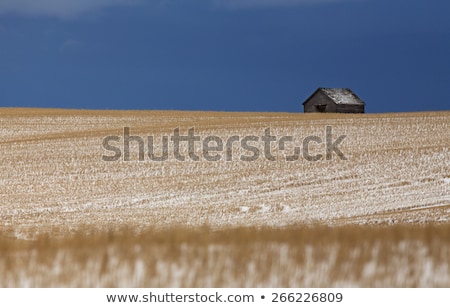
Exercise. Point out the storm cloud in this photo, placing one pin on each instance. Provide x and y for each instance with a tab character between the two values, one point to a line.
58	8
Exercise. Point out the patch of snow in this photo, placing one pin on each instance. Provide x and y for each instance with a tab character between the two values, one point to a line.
342	96
287	209
245	209
264	208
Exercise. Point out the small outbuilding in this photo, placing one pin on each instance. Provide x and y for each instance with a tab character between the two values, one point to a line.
340	100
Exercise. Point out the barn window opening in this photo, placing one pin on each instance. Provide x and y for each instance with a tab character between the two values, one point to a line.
321	108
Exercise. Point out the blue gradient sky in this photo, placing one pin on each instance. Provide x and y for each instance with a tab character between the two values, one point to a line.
234	55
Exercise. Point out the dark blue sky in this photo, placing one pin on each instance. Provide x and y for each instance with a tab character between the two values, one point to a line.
246	55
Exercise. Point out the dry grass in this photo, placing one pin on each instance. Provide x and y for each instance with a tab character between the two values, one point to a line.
53	184
391	256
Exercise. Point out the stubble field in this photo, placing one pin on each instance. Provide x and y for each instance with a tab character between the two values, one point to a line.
70	218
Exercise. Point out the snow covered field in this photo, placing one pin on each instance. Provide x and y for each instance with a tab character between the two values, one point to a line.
53	180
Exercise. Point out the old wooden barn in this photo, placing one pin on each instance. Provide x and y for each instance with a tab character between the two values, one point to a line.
341	100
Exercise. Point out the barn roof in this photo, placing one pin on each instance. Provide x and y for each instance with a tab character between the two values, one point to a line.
340	96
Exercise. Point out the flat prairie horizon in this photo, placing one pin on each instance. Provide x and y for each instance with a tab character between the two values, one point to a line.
56	183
